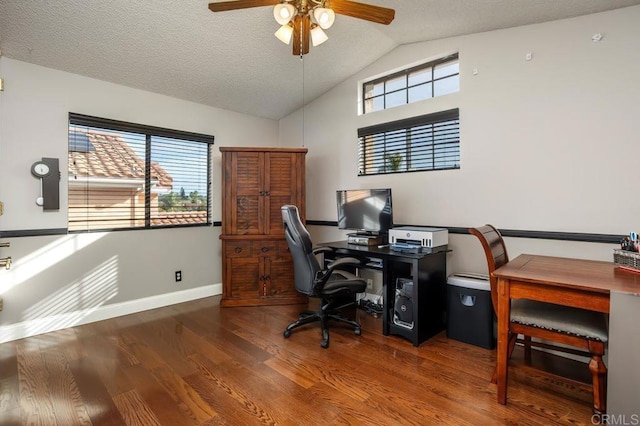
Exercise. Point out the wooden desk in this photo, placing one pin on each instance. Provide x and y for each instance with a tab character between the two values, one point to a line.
585	284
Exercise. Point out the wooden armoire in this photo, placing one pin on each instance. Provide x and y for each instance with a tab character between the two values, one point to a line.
257	268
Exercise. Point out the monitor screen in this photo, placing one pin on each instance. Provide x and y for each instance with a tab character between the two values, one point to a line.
368	210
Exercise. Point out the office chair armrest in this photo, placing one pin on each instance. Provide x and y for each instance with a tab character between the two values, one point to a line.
341	262
317	250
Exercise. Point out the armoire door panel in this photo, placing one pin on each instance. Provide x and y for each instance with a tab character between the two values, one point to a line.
248	193
281	173
281	281
243	277
248	216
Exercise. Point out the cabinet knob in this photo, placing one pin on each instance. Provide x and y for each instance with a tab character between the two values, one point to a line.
238	249
264	249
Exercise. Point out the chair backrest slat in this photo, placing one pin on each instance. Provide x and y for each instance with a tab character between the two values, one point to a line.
496	253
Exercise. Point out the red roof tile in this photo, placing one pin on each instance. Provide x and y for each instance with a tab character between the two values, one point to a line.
111	157
179	218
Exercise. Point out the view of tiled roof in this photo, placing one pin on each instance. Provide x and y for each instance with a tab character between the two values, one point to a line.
179	218
106	155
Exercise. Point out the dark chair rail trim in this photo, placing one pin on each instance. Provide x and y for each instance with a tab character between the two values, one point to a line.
64	231
514	233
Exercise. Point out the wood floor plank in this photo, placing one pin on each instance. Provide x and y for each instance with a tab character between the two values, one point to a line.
97	400
135	410
197	363
36	405
239	395
68	406
156	397
184	395
9	385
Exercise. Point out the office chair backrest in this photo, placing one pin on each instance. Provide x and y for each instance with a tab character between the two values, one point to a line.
305	263
496	253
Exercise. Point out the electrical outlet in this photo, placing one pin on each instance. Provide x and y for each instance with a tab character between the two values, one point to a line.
369	284
178	276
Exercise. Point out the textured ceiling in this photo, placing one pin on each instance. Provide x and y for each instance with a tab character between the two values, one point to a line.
231	59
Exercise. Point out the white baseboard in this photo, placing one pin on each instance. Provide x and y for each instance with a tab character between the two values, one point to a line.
58	322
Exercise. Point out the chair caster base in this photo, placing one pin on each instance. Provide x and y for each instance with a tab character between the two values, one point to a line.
358	331
324	344
287	333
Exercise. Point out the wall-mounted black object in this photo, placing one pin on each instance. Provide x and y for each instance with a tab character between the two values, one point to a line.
48	171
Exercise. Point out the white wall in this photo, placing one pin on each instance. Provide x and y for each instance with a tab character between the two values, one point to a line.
549	144
58	281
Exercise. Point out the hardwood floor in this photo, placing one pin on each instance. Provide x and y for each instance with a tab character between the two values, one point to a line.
197	363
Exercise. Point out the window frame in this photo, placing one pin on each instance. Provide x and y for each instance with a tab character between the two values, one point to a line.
406	73
149	132
405	125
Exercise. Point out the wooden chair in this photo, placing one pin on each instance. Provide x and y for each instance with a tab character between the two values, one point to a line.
579	328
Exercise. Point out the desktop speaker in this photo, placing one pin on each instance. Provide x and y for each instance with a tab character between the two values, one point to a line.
403	304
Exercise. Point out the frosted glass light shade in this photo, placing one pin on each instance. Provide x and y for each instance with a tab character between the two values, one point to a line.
318	36
324	17
285	33
283	13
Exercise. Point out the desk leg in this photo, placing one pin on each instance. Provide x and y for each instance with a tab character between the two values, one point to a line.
502	356
386	298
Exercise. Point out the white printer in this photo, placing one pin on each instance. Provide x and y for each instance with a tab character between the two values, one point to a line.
416	238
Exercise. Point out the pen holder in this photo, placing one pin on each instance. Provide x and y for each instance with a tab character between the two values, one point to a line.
627	259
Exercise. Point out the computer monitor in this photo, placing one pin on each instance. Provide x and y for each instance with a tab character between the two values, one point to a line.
368	211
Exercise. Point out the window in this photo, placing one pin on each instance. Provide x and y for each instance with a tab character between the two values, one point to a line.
427	142
435	78
129	176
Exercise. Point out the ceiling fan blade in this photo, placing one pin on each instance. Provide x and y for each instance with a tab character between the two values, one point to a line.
301	32
223	6
368	12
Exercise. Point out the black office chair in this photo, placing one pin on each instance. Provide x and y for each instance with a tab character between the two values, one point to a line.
332	285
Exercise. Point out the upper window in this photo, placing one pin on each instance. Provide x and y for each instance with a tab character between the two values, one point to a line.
435	78
427	142
129	176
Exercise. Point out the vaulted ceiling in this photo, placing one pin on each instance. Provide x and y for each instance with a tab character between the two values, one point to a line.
231	60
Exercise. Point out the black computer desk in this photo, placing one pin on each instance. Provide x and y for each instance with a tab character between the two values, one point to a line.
427	272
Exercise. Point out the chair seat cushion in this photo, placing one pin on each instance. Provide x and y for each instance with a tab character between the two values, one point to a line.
564	319
342	281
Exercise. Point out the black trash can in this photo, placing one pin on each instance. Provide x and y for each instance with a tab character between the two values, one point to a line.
470	315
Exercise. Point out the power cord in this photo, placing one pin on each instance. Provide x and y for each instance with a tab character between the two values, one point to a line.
369	307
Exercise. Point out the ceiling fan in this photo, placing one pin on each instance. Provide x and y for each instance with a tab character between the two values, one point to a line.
304	20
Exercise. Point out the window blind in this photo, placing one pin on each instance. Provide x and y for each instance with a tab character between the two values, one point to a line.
129	176
426	142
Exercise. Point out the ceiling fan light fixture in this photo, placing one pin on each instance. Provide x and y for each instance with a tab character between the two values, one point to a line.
284	33
324	17
318	36
283	13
